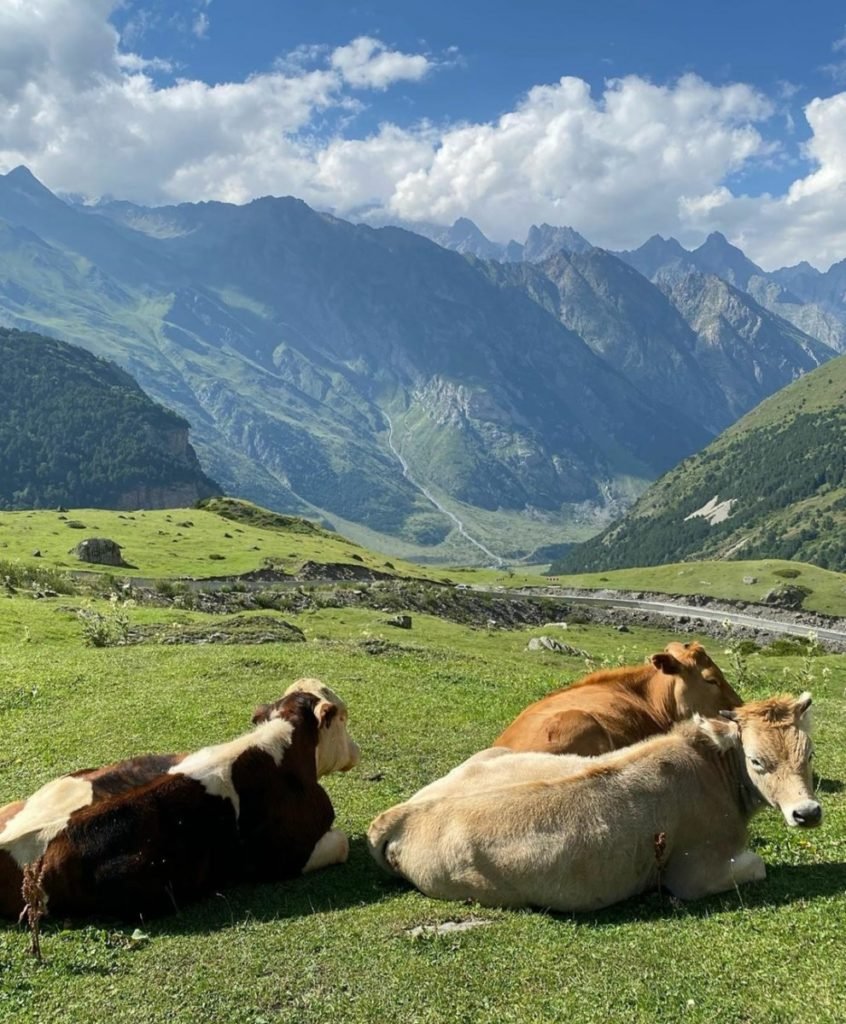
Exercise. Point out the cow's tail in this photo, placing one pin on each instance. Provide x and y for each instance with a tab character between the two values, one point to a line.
383	839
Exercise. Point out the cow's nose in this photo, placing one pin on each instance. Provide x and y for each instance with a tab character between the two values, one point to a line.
808	815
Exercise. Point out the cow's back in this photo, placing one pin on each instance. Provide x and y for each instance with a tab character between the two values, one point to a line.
603	712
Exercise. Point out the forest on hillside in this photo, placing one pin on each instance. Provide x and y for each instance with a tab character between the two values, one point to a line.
78	430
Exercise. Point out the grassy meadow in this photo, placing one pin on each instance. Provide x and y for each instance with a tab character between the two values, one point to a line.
339	944
162	543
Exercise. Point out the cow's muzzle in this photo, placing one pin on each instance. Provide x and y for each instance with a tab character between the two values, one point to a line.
807	815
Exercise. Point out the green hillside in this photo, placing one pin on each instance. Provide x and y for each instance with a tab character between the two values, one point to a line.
224	538
75	429
782	471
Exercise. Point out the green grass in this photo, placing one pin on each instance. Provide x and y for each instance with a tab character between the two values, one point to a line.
160	543
335	945
724	580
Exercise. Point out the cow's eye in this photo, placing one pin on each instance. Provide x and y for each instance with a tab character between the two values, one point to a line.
757	764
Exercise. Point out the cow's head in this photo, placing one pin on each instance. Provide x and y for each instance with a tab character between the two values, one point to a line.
336	750
700	686
777	750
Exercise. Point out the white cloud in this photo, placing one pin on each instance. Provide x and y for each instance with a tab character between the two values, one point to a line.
85	113
366	63
200	25
809	220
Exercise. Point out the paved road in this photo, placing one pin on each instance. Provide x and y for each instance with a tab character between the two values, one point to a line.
673	610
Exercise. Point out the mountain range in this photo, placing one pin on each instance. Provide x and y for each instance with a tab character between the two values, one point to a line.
410	395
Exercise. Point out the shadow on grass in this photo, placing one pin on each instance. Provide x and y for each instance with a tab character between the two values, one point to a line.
828	785
784	884
357	883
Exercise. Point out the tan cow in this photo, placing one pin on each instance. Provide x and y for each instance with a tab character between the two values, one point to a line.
611	709
570	833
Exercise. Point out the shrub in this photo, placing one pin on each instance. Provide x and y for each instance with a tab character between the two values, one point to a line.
17	575
106	629
787	574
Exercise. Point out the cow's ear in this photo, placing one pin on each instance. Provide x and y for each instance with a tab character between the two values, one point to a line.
803	711
261	714
666	663
325	713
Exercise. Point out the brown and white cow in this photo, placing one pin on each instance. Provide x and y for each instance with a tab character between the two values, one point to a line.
143	836
614	708
571	833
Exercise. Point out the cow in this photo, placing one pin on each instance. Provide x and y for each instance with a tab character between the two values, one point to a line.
581	833
613	708
119	842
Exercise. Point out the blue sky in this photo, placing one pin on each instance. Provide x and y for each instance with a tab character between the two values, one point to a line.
622	119
504	48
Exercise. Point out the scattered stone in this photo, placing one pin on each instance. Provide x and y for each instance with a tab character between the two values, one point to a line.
61	508
445	927
36	553
228	536
356	558
555	625
791	596
549	643
185	522
240	629
750	580
217	558
75	524
339	571
375	777
623	628
100	551
400	621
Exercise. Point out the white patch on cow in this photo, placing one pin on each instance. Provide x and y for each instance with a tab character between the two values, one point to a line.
212	766
42	818
715	511
331	848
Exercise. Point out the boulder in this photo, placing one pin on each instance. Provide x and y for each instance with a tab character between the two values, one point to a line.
100	551
549	643
790	596
400	621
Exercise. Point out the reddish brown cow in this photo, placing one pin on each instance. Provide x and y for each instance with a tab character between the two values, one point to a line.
250	809
73	792
611	709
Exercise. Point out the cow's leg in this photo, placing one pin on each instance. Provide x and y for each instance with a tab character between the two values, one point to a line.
331	848
691	877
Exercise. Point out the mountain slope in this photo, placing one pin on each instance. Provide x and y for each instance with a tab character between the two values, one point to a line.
805	297
77	430
688	334
299	345
772	486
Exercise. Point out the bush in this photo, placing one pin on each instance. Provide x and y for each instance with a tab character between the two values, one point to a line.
17	575
787	574
109	629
